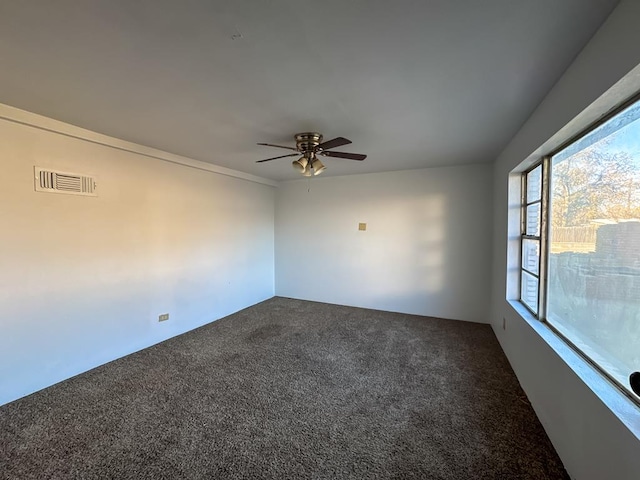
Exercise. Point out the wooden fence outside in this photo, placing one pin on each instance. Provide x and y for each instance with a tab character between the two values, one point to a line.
574	239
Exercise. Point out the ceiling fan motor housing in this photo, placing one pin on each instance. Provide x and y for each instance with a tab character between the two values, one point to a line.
308	141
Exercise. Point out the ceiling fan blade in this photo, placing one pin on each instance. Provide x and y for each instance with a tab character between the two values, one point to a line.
278	146
349	156
281	156
336	142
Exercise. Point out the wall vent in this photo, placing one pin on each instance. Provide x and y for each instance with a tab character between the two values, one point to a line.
64	182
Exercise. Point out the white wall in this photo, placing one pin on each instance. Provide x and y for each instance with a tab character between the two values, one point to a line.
426	249
592	442
83	280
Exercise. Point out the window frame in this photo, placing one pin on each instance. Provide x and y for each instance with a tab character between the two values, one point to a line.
543	258
544	163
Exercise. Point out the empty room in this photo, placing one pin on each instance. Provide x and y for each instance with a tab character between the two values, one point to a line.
323	240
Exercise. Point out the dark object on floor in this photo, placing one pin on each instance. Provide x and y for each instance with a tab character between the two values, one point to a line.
289	389
634	381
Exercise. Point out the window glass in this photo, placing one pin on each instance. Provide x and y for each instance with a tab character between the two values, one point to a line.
532	220
534	184
529	291
593	292
531	255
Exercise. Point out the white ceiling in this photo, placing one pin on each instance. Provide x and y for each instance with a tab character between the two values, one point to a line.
412	83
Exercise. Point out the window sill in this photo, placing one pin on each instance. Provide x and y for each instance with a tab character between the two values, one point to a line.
617	402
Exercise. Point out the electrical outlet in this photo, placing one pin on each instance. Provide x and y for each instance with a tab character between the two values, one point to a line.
163	318
504	323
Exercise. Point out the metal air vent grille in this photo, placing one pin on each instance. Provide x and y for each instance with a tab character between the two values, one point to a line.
64	182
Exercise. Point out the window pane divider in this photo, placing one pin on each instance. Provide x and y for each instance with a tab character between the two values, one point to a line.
543	262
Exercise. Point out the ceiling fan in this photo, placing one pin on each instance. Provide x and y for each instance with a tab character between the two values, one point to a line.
310	145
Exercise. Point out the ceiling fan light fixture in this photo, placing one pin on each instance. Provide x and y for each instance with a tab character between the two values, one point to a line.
300	165
318	166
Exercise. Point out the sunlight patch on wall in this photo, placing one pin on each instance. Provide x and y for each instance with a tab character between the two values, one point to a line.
405	233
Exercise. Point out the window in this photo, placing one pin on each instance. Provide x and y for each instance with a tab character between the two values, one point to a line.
580	247
531	238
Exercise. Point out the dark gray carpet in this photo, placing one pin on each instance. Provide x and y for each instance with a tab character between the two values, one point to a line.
289	389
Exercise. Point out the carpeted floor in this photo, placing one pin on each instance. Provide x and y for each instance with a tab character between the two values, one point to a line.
289	389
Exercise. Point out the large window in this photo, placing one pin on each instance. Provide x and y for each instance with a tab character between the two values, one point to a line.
580	267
